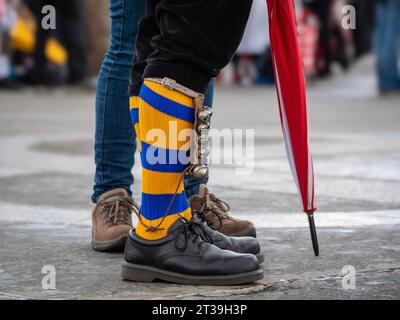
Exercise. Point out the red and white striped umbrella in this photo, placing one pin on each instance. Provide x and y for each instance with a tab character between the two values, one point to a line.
290	86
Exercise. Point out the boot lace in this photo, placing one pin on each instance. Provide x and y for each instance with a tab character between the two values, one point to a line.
117	211
213	206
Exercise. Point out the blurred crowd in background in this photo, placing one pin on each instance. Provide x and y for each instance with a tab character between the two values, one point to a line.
72	53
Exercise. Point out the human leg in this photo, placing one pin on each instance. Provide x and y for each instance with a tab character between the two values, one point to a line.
168	244
115	139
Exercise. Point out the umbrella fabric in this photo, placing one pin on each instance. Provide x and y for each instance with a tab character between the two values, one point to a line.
290	85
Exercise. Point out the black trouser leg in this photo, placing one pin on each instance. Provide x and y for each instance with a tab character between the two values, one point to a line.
148	29
39	73
195	40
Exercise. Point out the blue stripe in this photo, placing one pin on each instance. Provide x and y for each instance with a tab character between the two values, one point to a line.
154	206
135	115
166	106
163	160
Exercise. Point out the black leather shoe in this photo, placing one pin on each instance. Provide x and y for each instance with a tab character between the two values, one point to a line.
185	257
235	244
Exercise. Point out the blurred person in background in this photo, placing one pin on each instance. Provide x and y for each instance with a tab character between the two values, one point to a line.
387	46
70	31
322	9
332	42
7	21
265	68
365	17
253	46
97	36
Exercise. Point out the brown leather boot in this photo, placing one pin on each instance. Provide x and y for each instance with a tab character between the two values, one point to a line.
112	220
215	212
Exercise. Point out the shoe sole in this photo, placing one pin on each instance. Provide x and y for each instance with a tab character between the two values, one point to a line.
140	273
115	245
251	232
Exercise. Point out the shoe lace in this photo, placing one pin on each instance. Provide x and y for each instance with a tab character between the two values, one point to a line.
204	215
193	231
117	211
213	206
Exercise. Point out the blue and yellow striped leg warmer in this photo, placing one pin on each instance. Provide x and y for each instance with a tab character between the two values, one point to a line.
157	114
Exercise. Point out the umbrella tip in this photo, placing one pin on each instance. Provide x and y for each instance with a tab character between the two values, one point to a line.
313	232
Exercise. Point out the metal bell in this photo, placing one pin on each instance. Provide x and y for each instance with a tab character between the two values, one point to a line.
201	127
202	140
199	172
205	114
203	152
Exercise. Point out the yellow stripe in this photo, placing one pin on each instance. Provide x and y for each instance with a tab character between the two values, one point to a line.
170	94
162	130
161	182
168	221
134	102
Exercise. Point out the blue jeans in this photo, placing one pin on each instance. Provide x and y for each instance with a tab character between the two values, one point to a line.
115	139
387	45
